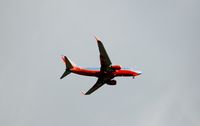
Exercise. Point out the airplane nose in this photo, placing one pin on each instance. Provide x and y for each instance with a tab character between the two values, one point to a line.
139	72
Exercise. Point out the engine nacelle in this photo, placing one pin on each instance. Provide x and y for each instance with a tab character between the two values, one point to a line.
111	82
116	67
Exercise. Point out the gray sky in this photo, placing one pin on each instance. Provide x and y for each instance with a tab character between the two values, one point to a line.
159	37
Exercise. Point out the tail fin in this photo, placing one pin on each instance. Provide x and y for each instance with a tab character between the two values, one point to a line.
69	65
67	62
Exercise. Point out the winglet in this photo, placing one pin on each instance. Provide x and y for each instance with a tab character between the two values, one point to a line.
97	39
82	93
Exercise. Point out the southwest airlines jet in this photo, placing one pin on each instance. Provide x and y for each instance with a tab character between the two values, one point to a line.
105	74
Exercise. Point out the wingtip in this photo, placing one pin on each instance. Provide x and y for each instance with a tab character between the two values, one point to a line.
82	93
96	39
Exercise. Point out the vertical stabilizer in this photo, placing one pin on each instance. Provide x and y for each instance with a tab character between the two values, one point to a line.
69	65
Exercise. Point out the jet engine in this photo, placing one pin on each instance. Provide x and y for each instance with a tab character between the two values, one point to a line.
111	82
116	67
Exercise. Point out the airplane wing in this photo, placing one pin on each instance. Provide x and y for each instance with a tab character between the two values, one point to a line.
104	59
98	84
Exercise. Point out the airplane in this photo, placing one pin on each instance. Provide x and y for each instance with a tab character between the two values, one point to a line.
105	73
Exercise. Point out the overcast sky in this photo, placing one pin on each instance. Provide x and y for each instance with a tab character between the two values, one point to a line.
159	37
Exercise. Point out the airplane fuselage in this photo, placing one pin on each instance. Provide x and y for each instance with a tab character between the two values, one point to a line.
98	73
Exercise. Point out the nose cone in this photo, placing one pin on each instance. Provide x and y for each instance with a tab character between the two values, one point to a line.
138	72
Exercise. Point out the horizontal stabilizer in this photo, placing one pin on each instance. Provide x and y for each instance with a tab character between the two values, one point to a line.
69	65
65	74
